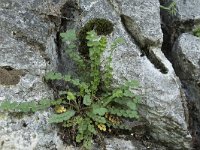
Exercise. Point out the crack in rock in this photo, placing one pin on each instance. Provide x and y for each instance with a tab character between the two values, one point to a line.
144	44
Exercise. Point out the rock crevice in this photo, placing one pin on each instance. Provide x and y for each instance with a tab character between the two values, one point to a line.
182	49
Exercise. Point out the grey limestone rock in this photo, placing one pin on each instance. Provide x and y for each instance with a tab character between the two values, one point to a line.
27	52
186	56
119	144
187	10
142	19
182	48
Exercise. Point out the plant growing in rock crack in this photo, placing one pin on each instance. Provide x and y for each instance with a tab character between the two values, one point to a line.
91	106
171	8
196	31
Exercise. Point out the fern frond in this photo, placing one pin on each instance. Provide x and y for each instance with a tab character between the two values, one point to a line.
84	87
99	110
96	46
126	102
57	118
96	118
31	106
70	35
127	113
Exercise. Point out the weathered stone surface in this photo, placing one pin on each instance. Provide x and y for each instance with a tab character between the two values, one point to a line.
119	144
162	103
142	19
29	132
186	52
115	143
186	10
27	52
184	55
186	58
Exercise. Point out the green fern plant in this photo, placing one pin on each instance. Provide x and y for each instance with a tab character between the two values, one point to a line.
95	106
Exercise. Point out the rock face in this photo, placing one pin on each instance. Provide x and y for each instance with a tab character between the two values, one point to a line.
145	27
29	48
186	10
114	144
186	52
27	52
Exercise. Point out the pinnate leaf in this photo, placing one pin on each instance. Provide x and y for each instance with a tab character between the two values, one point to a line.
57	118
70	35
87	100
70	96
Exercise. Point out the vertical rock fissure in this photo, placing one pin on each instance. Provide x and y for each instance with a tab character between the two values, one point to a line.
171	32
67	20
144	44
145	48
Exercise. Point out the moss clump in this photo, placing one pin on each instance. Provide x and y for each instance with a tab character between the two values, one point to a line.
196	31
101	27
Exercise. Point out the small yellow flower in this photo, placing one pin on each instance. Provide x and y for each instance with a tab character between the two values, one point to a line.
60	109
101	127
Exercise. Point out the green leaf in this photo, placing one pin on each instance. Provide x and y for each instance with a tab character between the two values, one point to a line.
56	102
87	100
99	110
70	96
70	35
71	46
76	82
5	105
23	107
92	129
33	106
67	78
131	105
137	99
87	143
117	93
79	137
96	118
128	93
57	118
196	31
132	114
53	76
